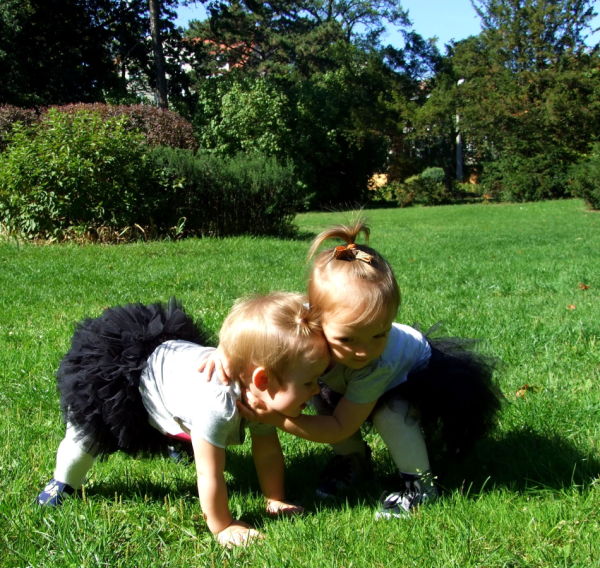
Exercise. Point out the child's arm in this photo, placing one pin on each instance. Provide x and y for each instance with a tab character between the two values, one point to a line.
346	419
210	465
268	460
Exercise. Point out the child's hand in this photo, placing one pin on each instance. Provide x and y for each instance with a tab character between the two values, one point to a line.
275	508
237	534
215	363
253	409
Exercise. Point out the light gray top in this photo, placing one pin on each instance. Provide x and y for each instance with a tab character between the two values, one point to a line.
406	350
179	399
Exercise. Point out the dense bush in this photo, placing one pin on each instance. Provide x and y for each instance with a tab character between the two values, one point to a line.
427	188
9	115
77	172
74	170
519	178
215	195
311	124
585	178
161	127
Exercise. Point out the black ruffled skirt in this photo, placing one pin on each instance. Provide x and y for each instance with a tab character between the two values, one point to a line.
454	394
98	379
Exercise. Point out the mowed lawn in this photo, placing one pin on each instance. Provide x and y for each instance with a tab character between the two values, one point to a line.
522	278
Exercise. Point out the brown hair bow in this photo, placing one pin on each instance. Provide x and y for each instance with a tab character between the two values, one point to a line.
351	252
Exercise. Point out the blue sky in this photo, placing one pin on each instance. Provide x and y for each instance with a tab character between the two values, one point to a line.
444	19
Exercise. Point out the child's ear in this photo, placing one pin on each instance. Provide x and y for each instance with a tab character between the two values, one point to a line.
260	379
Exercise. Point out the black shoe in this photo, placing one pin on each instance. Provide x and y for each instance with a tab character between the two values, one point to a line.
342	472
418	490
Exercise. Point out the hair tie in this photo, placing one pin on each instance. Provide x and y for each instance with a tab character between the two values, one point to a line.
351	252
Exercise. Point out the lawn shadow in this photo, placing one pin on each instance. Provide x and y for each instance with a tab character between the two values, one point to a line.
134	489
520	460
297	235
301	478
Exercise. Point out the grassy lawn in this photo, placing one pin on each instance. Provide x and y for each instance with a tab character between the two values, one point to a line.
524	278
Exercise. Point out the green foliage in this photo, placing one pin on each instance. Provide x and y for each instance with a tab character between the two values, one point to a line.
301	37
9	115
526	93
244	114
73	170
54	52
338	138
78	170
427	188
585	177
318	125
161	127
519	178
215	195
69	51
532	35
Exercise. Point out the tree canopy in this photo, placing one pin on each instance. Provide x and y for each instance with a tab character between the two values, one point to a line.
310	83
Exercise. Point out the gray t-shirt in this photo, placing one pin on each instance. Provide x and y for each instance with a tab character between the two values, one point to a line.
406	350
179	399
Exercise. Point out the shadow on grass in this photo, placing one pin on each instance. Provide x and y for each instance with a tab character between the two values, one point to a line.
520	460
141	488
297	235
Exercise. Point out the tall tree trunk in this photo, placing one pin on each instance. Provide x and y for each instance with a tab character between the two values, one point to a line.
159	57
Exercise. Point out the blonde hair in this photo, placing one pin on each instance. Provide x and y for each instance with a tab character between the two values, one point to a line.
269	331
363	277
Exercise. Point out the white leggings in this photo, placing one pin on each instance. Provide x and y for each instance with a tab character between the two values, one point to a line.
401	433
73	459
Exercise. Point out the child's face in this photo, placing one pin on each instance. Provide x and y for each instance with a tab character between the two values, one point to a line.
356	345
299	382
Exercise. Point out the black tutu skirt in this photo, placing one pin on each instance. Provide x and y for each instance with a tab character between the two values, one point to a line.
98	379
454	395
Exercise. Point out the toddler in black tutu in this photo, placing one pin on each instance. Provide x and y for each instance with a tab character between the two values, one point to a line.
385	372
130	381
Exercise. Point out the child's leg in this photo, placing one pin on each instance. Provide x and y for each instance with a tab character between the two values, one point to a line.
350	464
402	435
73	461
352	445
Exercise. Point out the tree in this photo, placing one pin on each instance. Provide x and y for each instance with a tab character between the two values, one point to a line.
300	36
341	97
61	51
159	56
533	35
54	51
529	104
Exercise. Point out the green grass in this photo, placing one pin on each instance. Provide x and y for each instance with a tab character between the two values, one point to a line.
508	274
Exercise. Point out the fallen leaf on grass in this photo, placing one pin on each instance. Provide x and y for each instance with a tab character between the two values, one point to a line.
583	286
525	389
571	307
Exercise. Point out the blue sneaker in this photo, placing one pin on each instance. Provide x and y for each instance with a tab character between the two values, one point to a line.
54	493
181	452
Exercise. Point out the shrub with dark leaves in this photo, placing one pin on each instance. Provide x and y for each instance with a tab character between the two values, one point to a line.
161	127
10	115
